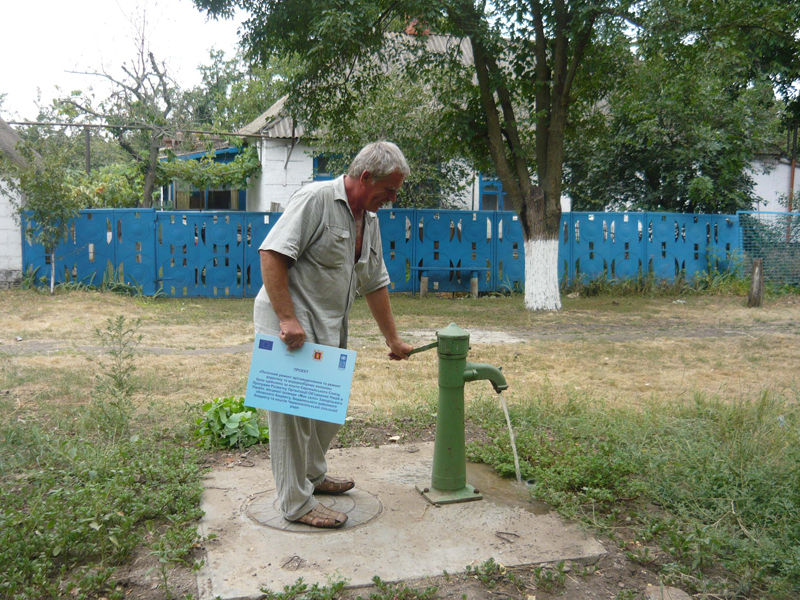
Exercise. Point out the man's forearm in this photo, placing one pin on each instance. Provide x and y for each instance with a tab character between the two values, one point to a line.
381	309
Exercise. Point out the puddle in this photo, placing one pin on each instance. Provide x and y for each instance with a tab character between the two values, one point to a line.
505	492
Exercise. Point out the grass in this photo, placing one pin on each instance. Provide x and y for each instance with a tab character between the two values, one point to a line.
75	501
645	419
714	485
84	486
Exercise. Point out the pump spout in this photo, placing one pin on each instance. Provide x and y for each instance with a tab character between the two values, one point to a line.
475	371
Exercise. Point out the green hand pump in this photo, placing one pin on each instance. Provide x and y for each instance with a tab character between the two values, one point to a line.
449	474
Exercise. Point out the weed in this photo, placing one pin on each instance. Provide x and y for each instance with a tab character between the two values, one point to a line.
228	423
489	572
172	547
640	555
550	578
299	590
400	591
120	339
30	277
113	281
111	404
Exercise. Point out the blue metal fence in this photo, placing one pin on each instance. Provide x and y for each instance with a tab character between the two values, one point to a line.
214	254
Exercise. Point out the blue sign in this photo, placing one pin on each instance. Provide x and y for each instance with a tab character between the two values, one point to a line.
312	382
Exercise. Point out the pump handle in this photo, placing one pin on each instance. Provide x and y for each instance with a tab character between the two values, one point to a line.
423	348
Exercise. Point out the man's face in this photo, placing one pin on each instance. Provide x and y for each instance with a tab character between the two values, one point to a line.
380	191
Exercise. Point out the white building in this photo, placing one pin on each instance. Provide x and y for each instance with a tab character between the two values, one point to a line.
773	179
10	235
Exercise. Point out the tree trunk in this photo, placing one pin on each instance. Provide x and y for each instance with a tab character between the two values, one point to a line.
150	173
52	272
541	252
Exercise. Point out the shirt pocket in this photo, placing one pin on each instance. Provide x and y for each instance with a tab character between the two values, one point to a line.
332	247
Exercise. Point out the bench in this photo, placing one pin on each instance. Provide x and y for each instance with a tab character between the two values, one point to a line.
473	277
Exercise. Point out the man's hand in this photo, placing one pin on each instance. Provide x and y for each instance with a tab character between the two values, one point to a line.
398	349
292	334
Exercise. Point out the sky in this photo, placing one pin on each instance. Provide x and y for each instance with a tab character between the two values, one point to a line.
42	40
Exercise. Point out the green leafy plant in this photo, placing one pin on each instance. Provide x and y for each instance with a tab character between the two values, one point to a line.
228	423
387	591
550	578
489	572
119	339
206	172
300	590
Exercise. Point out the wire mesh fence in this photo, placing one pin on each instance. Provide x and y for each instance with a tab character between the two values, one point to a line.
775	238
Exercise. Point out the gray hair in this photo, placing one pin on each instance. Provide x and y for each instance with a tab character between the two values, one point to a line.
381	159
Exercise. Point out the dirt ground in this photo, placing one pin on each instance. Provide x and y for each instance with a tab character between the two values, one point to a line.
621	350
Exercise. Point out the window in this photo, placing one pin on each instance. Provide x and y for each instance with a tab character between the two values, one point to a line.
491	194
322	170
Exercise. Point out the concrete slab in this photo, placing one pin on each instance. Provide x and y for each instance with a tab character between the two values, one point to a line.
392	531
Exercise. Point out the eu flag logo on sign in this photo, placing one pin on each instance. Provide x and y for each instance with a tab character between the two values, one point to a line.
265	344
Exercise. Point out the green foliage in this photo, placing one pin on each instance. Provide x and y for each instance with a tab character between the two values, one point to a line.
489	572
207	173
45	198
550	578
76	503
233	91
228	423
143	106
662	142
300	590
400	110
711	280
715	484
761	36
120	338
387	591
118	185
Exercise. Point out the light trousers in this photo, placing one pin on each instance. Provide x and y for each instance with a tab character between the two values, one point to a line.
297	448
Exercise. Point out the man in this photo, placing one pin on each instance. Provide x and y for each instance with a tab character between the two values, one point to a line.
325	247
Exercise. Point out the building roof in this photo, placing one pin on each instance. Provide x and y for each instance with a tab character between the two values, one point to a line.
274	123
9	139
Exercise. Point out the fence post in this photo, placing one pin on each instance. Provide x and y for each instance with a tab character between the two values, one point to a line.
755	297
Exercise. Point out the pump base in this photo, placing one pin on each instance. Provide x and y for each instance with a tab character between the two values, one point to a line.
435	496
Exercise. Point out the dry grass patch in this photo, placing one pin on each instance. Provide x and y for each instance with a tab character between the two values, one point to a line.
624	350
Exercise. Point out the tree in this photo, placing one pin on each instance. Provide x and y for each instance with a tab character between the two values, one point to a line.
234	91
41	183
536	65
405	111
144	105
526	59
679	136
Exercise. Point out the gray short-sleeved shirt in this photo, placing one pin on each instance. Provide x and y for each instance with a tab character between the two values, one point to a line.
318	233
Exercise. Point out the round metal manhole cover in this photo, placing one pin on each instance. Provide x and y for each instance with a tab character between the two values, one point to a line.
360	507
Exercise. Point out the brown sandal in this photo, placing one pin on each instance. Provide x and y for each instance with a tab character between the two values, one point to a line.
334	485
323	517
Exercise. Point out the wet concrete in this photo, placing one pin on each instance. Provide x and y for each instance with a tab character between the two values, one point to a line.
392	531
